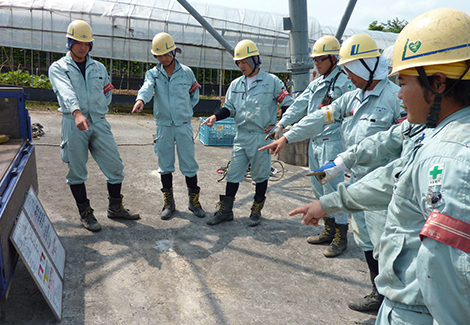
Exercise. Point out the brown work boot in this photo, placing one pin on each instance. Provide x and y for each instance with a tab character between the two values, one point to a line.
255	216
116	210
371	302
339	243
87	218
327	235
224	213
168	204
194	204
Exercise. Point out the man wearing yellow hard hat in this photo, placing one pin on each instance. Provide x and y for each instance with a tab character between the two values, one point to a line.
372	107
84	92
252	100
176	93
323	148
425	248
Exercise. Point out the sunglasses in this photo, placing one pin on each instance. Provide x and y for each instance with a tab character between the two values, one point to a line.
319	60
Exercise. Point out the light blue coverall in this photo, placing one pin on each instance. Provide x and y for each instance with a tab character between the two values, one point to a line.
326	146
428	188
253	109
90	95
360	119
173	105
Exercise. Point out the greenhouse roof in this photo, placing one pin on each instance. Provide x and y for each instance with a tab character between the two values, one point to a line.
123	29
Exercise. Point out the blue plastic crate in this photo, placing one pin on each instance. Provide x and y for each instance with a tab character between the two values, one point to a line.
221	134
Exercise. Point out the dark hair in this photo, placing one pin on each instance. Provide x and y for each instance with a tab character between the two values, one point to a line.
459	90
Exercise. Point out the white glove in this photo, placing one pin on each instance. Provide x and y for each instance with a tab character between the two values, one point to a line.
276	132
326	173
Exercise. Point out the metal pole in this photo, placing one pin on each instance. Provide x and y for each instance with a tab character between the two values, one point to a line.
344	21
206	25
300	62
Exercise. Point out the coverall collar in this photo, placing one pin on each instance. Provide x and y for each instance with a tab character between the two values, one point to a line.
259	77
69	60
161	69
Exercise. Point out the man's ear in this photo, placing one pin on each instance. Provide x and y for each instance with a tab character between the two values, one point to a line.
439	82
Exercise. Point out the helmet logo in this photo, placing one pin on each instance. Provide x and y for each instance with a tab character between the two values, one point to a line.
166	44
415	46
248	50
73	32
355	50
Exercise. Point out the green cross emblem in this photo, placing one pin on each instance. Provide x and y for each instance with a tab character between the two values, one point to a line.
436	171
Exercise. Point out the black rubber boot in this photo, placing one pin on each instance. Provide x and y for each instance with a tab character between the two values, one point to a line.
225	212
327	235
339	243
116	210
371	302
255	216
87	218
168	204
194	204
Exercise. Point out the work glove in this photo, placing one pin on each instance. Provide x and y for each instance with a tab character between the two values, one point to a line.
326	173
275	133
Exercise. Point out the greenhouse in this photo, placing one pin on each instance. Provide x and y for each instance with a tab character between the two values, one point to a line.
123	30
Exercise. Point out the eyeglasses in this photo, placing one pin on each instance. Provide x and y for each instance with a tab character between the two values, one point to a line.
319	60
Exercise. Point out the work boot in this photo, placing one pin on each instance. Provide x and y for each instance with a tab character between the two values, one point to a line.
339	243
168	204
255	216
194	204
371	302
327	235
116	210
87	218
225	212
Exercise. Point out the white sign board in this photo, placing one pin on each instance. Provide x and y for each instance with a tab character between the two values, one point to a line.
45	231
38	262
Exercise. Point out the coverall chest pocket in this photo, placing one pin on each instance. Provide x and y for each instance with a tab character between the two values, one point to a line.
374	123
96	83
76	79
238	96
181	89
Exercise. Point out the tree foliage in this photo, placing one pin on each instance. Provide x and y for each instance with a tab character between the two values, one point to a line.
392	26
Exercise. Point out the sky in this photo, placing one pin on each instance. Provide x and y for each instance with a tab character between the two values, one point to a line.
330	12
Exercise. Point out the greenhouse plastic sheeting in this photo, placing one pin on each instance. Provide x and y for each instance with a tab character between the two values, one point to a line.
123	29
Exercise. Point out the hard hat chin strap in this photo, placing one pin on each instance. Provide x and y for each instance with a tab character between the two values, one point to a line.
371	72
435	108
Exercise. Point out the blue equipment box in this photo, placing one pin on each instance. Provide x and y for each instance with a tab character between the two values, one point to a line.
17	174
221	134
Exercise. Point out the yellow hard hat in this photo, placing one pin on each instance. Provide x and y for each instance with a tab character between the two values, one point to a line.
437	37
79	30
245	49
326	45
360	46
162	43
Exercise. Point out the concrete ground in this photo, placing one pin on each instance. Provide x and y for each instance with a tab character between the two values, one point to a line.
182	271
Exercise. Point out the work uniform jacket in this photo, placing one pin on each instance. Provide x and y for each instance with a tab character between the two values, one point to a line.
253	110
425	254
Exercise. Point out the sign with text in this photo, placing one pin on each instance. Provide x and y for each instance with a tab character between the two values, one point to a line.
45	231
41	267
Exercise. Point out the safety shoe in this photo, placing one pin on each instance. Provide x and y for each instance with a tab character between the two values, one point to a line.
87	218
371	302
194	204
255	216
168	204
116	210
327	235
339	243
224	213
